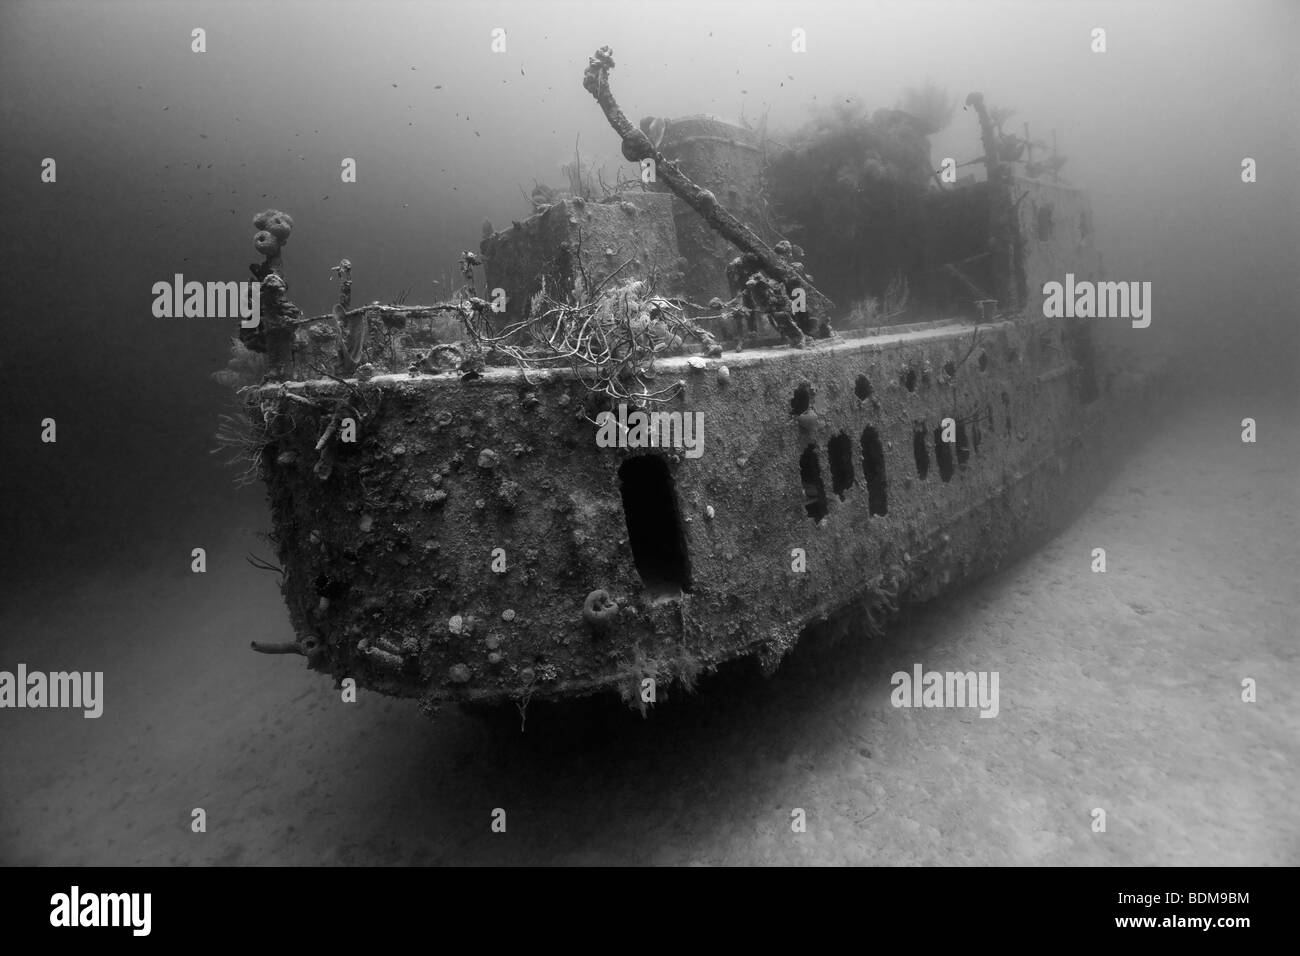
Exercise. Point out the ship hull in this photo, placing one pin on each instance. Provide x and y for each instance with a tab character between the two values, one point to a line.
455	550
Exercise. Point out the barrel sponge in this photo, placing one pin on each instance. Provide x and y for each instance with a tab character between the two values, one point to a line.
266	244
264	217
280	225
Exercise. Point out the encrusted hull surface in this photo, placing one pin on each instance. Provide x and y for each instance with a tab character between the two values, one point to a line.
448	552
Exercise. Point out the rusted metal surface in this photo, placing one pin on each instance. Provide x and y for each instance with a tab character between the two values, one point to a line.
728	160
390	560
633	237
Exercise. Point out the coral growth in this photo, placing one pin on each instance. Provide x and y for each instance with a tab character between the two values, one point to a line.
273	229
931	104
618	333
849	189
599	610
243	369
280	225
266	244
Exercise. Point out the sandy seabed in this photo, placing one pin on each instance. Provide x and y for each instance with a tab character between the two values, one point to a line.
1119	690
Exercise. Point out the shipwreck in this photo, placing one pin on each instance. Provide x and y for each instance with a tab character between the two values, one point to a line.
882	409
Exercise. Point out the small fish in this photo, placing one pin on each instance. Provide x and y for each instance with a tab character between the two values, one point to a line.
203	135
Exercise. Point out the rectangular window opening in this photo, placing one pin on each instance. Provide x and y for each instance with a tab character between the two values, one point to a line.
654	526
